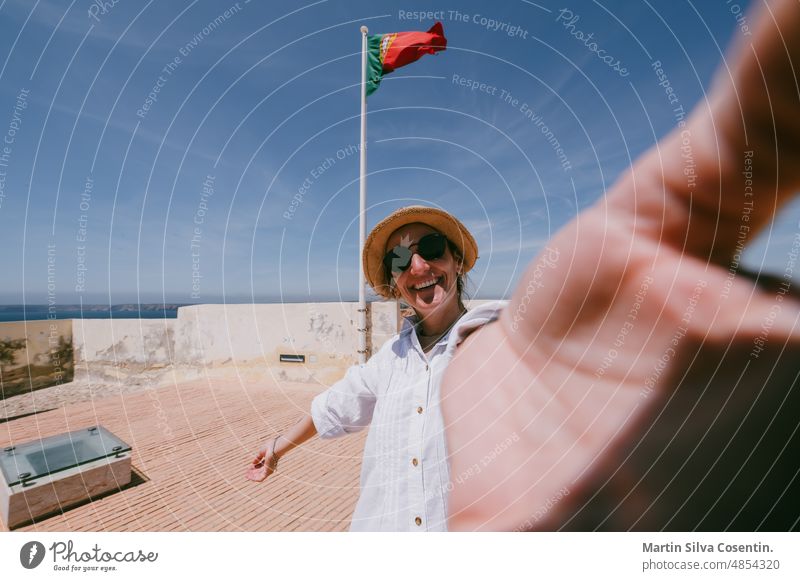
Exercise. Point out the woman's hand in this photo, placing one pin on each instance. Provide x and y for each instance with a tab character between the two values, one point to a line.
265	463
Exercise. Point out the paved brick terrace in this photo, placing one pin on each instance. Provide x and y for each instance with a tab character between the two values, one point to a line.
191	445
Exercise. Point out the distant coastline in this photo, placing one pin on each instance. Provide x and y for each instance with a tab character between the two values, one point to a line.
9	313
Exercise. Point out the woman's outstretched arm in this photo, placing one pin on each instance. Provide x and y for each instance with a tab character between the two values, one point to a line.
344	408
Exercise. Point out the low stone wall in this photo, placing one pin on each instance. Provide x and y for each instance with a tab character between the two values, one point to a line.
308	342
297	341
137	342
384	323
35	354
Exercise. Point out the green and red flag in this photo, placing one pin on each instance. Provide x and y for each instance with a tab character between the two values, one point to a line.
388	52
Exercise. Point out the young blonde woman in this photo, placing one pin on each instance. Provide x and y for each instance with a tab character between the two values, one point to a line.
421	255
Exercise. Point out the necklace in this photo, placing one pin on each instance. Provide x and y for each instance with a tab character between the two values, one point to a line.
428	341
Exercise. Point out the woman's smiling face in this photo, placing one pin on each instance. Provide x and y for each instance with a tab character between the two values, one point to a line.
426	284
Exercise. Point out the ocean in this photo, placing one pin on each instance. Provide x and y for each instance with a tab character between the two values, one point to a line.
10	313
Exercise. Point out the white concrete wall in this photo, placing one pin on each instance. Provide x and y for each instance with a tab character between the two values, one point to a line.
143	342
42	361
41	338
324	333
254	336
385	318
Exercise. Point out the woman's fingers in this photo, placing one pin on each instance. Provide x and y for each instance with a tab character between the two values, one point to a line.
262	466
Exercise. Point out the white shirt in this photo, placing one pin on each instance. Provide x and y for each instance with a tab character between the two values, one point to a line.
404	473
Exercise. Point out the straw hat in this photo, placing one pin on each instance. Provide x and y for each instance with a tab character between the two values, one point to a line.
443	222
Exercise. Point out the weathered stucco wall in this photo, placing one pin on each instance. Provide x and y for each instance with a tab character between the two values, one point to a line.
143	342
35	354
322	334
385	323
204	338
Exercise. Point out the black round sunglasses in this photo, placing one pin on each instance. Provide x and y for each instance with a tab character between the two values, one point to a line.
429	247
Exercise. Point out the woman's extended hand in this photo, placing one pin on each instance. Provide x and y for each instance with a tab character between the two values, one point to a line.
265	463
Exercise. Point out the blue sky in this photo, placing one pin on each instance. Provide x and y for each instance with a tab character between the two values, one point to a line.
131	198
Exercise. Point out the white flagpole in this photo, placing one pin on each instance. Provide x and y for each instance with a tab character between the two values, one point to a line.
362	218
